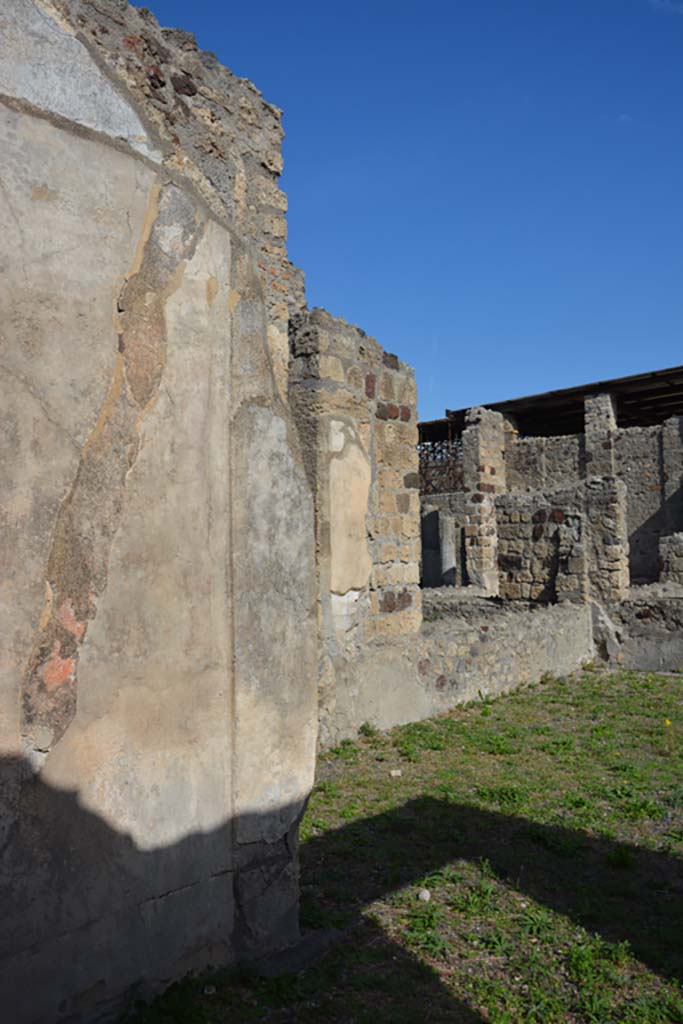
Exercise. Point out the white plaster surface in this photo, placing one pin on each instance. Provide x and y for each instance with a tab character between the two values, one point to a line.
150	747
350	560
71	213
44	63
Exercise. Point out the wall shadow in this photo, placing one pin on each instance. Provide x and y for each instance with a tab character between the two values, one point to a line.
644	540
635	894
90	923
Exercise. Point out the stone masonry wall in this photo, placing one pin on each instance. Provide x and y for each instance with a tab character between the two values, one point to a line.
607	538
543	463
467	648
600	430
542	555
645	631
671	558
357	419
483	444
649	460
638	462
157	523
476	648
569	544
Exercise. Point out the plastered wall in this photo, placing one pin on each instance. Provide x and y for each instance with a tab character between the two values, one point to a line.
157	524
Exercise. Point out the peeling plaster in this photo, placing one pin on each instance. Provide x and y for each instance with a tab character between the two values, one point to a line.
89	516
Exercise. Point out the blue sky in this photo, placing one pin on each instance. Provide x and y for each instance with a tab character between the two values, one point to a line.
492	188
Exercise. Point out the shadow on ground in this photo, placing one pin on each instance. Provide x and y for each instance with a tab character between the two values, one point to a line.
619	891
89	922
71	881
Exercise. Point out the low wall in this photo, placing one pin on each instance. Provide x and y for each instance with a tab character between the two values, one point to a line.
466	648
645	632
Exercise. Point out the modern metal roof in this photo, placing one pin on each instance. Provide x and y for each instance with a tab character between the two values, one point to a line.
641	400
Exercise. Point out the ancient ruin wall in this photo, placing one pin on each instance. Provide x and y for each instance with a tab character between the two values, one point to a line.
541	547
644	632
569	544
638	459
647	459
466	649
379	663
213	127
157	526
543	463
357	418
474	648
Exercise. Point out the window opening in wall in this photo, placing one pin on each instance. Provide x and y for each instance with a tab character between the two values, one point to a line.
441	465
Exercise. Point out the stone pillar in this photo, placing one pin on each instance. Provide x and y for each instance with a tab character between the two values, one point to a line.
605	508
448	535
484	476
600	428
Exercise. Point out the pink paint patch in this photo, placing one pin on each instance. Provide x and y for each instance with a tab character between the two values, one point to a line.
58	670
67	619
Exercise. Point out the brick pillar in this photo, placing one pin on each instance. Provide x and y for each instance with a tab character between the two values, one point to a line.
600	428
484	476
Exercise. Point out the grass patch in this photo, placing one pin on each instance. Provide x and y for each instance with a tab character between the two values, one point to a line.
547	829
